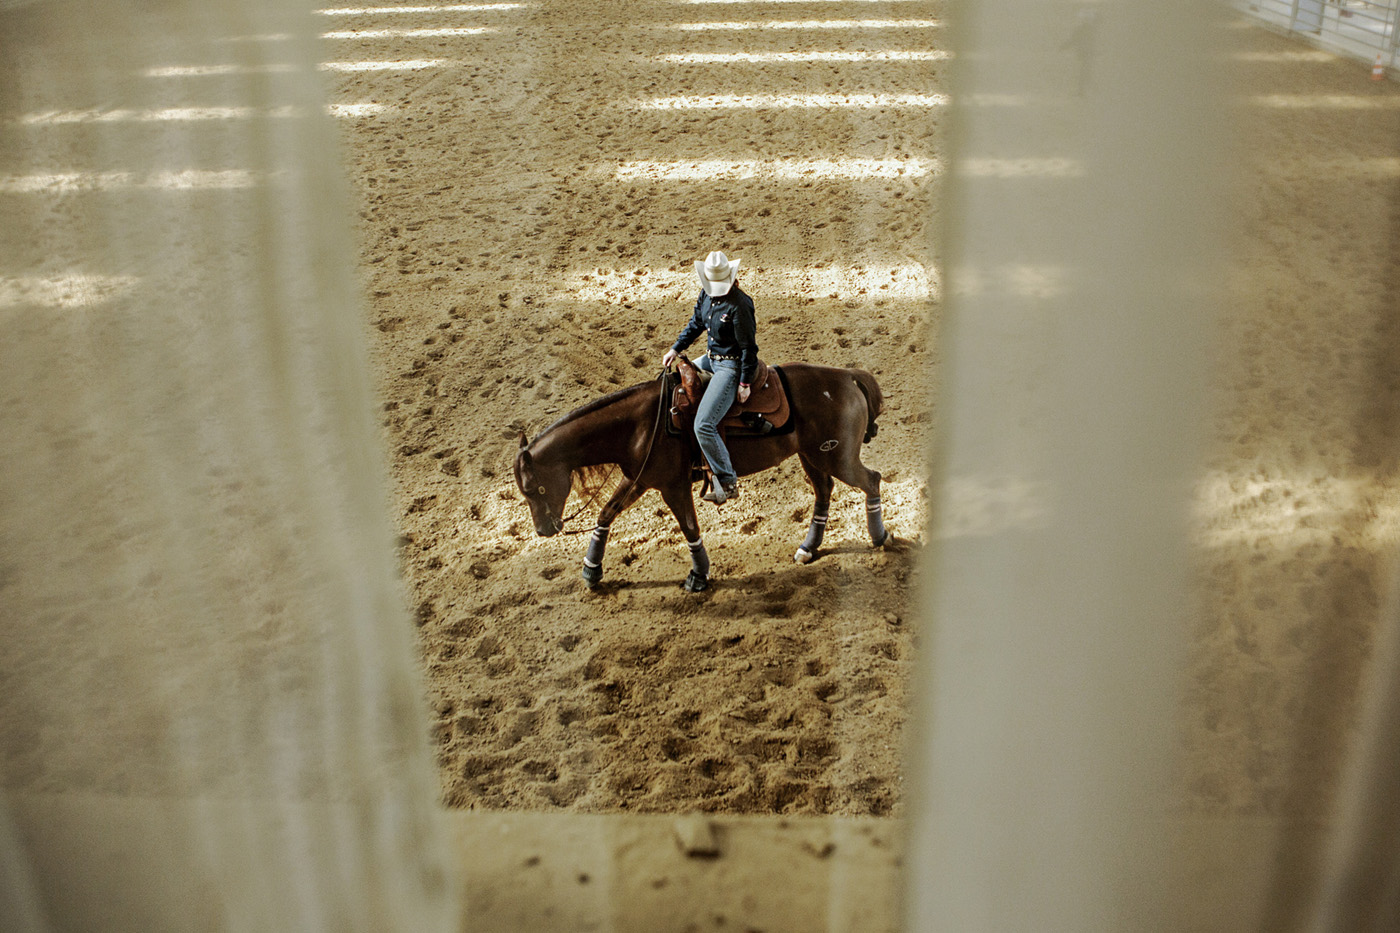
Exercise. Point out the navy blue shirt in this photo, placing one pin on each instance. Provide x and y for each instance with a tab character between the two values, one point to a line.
729	321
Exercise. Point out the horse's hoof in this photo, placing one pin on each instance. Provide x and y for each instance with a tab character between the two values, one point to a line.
804	556
887	539
592	575
694	583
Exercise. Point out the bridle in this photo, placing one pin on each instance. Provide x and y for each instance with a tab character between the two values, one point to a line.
558	522
554	520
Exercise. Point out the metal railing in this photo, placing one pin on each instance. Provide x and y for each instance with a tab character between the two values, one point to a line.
1364	29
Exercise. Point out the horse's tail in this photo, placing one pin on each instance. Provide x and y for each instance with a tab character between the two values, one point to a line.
874	401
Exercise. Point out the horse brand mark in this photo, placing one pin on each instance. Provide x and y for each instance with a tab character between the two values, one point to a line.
829	445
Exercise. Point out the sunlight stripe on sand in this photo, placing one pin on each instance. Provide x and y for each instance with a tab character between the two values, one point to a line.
785	169
206	71
1020	280
1020	168
1313	56
77	182
712	58
355	111
417	64
437	8
1319	170
186	114
212	71
767	2
1325	101
121	115
847	282
812	24
64	291
1292	510
779	101
436	33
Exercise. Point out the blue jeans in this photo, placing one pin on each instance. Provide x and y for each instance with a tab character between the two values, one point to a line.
714	405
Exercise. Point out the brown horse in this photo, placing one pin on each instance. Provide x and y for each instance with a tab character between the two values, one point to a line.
833	413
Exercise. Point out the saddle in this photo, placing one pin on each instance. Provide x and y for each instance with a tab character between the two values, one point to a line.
766	410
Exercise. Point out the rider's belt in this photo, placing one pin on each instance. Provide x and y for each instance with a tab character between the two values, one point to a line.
719	356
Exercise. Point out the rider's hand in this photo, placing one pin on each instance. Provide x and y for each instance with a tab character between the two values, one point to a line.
668	358
743	393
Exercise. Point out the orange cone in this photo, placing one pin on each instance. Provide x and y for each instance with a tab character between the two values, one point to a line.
1377	72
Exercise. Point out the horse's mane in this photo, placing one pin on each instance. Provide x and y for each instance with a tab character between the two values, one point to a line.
588	408
591	478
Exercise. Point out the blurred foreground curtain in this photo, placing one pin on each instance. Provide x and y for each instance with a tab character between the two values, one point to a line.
1126	722
209	706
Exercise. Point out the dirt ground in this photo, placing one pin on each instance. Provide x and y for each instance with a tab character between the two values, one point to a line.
533	184
529	220
515	275
1299	500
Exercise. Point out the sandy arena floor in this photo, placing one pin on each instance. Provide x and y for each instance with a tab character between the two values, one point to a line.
529	231
530	212
533	183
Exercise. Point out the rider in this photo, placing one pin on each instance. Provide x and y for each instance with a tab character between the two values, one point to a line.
726	313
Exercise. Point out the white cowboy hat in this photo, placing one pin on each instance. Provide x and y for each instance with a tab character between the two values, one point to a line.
717	274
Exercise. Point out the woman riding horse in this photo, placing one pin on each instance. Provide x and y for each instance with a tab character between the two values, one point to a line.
833	414
726	314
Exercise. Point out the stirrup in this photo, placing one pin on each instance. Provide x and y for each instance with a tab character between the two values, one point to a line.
718	493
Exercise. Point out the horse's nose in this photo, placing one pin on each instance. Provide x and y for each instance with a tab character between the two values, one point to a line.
546	531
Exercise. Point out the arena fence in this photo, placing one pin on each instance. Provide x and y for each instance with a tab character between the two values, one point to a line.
1360	28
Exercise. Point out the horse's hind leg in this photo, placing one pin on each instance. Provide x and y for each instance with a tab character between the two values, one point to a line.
679	500
852	472
821	486
874	519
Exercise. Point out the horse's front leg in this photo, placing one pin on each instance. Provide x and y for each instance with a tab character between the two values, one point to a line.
680	501
598	543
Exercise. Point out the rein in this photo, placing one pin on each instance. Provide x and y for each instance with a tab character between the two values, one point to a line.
631	484
581	509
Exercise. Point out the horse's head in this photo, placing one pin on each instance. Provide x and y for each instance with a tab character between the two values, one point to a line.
546	489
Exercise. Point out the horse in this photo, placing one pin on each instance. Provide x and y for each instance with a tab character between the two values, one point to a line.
833	412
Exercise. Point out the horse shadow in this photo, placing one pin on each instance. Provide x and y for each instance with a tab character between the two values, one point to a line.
791	577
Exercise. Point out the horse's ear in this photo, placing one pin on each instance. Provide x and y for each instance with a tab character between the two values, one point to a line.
523	441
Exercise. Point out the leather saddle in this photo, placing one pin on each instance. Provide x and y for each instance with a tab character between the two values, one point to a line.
766	410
